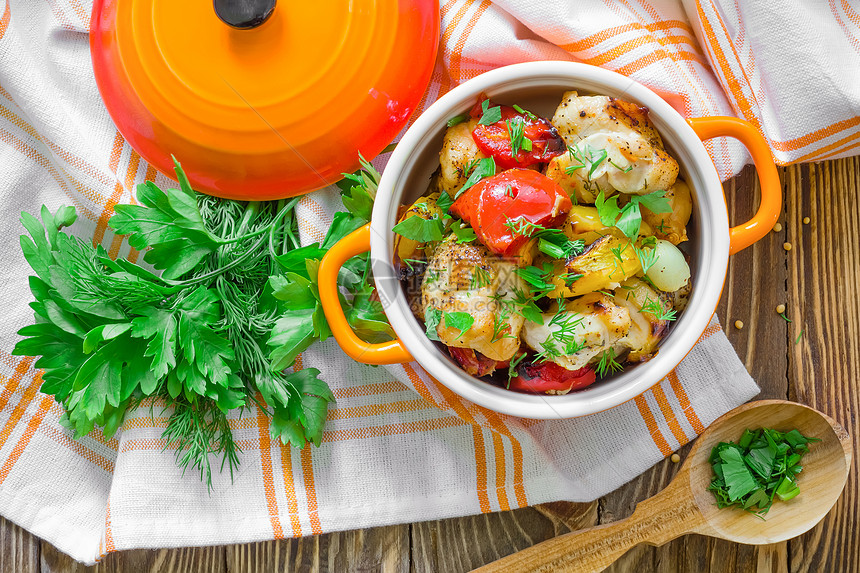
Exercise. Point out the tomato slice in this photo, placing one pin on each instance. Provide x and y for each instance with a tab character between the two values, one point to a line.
497	207
475	363
550	377
495	139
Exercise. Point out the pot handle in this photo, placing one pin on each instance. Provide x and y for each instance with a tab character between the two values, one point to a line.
745	234
391	352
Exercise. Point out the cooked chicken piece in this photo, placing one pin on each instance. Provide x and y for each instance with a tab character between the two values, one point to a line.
583	223
635	160
646	330
672	226
468	278
604	265
458	154
592	324
426	208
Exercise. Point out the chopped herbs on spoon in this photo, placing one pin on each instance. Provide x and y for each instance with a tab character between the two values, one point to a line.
761	467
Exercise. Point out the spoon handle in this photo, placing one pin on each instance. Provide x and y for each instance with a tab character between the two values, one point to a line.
655	521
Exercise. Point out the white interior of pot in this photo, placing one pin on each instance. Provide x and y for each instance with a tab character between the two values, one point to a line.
407	178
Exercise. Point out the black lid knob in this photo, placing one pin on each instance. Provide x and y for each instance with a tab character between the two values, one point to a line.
244	14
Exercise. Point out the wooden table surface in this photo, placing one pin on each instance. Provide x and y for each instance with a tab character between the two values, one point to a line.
811	360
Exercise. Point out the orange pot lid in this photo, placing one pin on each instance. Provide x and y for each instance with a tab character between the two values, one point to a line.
268	112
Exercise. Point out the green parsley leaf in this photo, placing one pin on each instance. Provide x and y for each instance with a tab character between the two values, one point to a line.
444	201
463	232
490	115
432	317
485	167
630	220
462	321
607	209
656	202
420	229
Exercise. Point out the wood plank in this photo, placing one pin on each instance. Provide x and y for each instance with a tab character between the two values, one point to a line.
378	549
19	550
755	285
461	544
824	268
185	560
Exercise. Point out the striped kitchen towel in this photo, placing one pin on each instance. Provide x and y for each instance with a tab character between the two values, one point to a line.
398	447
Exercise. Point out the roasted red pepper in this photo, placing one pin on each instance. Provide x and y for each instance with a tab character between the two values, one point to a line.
500	207
550	377
495	139
475	363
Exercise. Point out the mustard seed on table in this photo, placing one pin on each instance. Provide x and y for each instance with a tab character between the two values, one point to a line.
780	308
739	324
777	228
786	246
675	458
806	220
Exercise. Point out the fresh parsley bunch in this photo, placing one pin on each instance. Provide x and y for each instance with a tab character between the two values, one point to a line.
234	305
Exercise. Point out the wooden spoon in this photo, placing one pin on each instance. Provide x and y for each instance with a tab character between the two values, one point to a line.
686	506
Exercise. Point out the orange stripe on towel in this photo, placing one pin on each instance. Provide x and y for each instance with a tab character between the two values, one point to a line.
268	475
684	401
669	415
651	424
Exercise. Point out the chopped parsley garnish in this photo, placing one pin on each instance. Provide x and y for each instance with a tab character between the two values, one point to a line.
420	229
762	466
444	201
485	167
432	317
782	314
462	321
628	219
463	232
491	115
527	307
